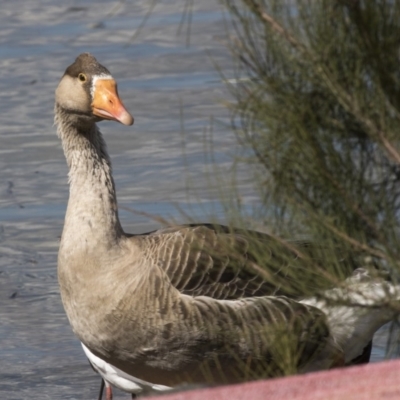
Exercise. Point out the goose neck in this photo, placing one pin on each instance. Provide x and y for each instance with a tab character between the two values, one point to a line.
92	212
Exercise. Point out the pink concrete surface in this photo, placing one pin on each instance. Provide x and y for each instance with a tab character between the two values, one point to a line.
367	382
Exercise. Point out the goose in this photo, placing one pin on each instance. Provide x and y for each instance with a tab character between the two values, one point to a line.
183	304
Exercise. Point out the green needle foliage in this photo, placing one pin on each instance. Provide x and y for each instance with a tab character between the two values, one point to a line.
317	100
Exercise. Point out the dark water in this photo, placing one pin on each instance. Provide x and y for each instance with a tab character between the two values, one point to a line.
157	169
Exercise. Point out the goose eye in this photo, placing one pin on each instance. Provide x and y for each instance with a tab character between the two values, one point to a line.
82	77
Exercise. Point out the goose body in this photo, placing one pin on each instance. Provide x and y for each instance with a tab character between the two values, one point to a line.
354	311
172	306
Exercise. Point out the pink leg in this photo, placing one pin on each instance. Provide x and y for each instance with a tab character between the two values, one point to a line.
109	394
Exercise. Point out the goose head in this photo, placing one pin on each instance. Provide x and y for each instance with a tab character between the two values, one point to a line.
87	92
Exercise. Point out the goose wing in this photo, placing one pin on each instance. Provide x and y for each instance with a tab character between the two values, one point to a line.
215	261
213	264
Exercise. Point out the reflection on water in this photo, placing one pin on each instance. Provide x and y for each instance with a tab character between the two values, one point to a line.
160	79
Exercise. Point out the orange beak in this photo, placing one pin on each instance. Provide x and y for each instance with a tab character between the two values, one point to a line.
107	104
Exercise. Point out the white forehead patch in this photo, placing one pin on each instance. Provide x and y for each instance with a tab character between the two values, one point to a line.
95	78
